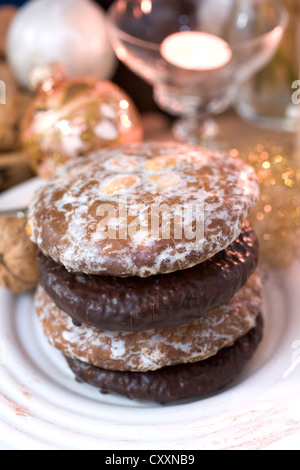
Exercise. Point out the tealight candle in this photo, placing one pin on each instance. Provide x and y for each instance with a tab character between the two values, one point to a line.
192	50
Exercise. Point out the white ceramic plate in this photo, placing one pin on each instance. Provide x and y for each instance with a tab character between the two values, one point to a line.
20	196
42	407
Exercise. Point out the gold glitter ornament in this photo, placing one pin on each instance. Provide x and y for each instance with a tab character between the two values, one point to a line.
70	118
276	219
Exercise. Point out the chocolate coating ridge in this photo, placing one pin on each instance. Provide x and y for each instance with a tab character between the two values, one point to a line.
182	382
137	304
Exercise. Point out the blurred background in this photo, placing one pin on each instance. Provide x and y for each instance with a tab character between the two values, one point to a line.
269	95
14	167
134	86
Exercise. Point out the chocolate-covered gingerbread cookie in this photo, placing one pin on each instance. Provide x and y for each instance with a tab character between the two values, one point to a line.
136	304
181	382
156	348
148	279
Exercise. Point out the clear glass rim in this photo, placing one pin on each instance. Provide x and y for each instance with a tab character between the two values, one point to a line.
283	16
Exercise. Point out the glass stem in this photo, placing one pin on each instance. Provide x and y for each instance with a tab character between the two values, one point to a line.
195	130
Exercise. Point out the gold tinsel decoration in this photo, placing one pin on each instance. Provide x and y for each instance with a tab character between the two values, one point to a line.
276	219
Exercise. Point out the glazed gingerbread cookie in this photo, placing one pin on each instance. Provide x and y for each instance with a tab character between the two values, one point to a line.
179	383
153	349
142	210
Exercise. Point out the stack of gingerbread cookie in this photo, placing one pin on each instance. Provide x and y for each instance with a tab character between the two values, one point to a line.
148	269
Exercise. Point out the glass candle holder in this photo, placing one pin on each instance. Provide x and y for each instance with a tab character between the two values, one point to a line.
196	54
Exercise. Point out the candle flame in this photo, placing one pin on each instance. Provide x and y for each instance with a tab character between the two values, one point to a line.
194	50
146	6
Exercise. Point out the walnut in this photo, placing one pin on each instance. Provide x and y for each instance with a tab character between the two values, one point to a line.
18	264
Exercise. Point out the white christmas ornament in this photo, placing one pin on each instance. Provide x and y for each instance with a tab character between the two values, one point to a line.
72	33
